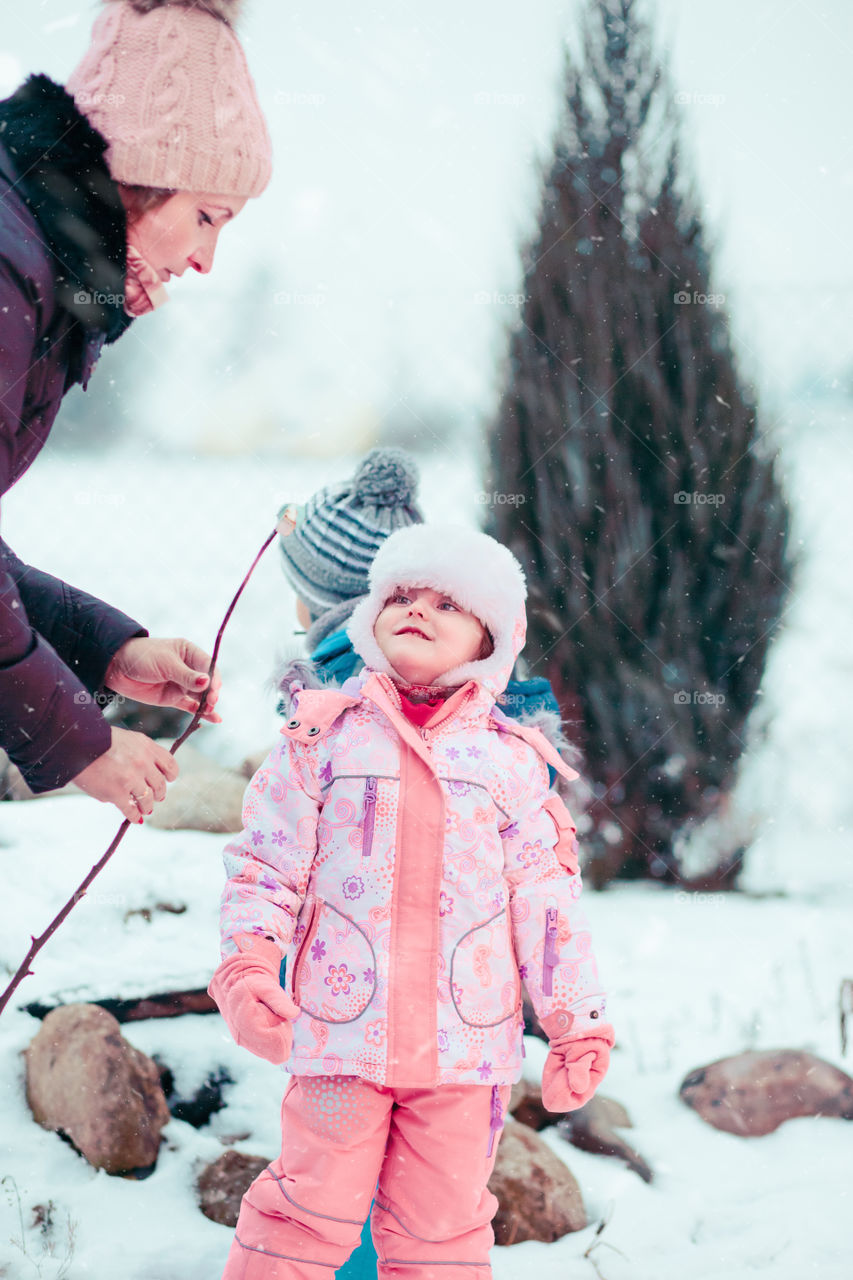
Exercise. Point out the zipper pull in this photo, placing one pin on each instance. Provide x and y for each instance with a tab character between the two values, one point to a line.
552	951
496	1121
368	816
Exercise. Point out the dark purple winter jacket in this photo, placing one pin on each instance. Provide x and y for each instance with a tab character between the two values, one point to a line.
62	267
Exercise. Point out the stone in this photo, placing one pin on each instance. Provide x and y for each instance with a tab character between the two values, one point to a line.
752	1093
204	796
593	1128
222	1185
165	1004
609	1111
538	1197
85	1081
525	1105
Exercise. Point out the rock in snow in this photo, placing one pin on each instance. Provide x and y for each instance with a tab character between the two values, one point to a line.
753	1093
85	1081
222	1185
593	1128
538	1198
204	796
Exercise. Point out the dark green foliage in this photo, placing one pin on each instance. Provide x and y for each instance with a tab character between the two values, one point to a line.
645	504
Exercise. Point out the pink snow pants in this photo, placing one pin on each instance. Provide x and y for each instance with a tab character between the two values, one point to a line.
428	1150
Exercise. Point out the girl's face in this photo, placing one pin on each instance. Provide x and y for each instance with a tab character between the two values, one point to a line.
424	633
183	231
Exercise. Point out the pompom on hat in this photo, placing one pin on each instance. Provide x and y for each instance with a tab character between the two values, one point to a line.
476	571
167	84
337	533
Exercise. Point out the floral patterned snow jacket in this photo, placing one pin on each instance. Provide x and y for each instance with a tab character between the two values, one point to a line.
412	878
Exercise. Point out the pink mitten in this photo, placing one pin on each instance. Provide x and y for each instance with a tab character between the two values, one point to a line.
575	1068
256	1010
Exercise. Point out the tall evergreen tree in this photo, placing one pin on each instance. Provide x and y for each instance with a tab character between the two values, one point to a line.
646	507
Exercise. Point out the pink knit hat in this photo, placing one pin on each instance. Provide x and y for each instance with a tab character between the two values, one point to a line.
167	84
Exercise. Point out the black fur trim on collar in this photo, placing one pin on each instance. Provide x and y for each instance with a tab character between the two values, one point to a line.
68	188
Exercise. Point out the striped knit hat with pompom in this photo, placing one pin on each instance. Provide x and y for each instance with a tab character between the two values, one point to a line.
167	84
339	530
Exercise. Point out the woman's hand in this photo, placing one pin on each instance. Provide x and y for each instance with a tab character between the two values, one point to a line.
164	673
131	775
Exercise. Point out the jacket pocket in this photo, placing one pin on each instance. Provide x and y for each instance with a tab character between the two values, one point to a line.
566	847
334	973
484	982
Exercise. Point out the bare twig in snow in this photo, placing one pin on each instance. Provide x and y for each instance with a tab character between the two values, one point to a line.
38	942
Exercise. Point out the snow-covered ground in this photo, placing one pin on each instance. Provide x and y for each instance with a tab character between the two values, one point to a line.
691	979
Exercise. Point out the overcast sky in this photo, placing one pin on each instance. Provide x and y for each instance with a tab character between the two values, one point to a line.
406	144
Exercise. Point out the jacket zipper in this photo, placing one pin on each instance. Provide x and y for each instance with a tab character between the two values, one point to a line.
303	944
368	817
552	952
496	1121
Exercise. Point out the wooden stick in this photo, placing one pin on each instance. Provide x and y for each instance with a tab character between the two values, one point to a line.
37	943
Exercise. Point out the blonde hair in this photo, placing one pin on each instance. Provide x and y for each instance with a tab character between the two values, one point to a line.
140	200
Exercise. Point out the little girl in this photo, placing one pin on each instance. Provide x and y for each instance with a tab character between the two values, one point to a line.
403	866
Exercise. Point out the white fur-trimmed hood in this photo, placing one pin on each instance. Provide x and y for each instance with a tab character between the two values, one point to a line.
480	574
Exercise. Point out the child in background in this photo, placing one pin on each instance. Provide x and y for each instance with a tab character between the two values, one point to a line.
327	556
403	866
326	559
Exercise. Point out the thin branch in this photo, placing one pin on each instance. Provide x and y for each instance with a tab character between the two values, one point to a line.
80	892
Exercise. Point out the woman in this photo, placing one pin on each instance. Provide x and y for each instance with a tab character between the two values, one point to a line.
108	187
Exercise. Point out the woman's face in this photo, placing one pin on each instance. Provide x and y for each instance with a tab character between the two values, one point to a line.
183	231
423	634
